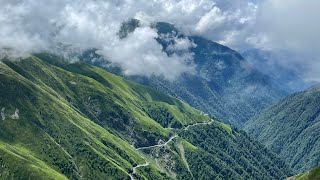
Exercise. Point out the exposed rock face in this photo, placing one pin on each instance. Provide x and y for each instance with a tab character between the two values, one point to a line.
3	117
15	115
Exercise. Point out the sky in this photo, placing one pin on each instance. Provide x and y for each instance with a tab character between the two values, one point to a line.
287	28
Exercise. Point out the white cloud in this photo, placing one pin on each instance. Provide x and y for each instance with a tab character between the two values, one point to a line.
178	44
32	25
290	23
140	53
13	35
96	25
212	19
27	26
192	16
290	29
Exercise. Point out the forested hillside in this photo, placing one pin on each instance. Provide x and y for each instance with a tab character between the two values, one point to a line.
291	129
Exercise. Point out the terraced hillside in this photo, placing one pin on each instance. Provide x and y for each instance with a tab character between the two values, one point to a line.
77	121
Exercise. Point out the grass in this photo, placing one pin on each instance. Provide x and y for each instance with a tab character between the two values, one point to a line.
227	127
66	124
312	174
20	158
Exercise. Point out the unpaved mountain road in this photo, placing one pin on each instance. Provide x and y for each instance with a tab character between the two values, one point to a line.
134	169
163	145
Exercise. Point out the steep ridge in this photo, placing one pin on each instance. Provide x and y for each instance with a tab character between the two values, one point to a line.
225	85
291	129
77	121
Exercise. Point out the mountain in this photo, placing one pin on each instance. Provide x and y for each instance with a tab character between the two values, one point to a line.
224	85
313	174
77	121
291	129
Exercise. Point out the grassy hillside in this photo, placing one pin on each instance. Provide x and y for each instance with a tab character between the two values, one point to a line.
77	121
313	174
50	132
291	129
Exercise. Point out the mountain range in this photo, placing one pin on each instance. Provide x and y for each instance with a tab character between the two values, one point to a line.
88	119
62	120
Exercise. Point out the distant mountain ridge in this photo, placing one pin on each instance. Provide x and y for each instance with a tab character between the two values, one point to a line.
225	85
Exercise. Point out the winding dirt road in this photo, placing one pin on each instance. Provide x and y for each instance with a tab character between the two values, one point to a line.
164	144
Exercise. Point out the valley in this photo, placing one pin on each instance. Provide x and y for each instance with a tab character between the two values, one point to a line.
89	128
159	90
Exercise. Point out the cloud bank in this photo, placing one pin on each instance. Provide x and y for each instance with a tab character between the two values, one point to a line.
286	27
30	26
289	29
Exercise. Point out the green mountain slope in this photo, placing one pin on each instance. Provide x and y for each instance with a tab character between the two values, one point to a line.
50	130
77	121
313	174
291	129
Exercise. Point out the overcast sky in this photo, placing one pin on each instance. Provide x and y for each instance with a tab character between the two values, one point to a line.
283	26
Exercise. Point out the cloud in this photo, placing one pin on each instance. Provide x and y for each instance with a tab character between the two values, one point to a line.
176	44
287	27
290	23
140	53
30	25
290	30
96	25
210	19
13	35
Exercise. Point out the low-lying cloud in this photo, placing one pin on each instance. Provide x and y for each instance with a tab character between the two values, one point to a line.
289	30
30	26
140	53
